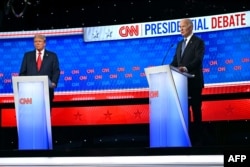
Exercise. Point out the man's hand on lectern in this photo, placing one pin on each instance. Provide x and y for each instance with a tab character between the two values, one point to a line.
53	85
183	69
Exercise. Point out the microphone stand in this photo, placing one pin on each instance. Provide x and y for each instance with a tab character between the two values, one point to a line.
167	54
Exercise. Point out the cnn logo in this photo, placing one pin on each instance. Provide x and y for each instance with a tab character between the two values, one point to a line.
25	100
153	94
126	31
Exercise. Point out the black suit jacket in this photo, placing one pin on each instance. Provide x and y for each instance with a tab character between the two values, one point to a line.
192	59
49	67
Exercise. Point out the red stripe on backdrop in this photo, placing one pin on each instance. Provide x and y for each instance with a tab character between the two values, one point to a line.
81	96
138	93
224	89
100	95
226	110
221	110
100	115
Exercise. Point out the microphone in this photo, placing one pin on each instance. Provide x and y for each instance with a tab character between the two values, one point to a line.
163	60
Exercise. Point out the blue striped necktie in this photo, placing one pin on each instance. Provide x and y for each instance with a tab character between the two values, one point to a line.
183	45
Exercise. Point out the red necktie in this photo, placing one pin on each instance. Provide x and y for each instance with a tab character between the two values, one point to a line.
39	61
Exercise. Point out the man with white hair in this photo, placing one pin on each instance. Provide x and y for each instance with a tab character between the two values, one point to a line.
189	58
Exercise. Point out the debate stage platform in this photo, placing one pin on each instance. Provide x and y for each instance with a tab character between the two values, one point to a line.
108	146
115	157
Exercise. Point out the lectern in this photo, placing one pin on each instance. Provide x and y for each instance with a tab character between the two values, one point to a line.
168	98
31	95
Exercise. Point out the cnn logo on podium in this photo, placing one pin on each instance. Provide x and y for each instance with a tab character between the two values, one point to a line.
25	100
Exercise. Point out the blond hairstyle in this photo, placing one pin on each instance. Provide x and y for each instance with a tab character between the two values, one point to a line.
40	36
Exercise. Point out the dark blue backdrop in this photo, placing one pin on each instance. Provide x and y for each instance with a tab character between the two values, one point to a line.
227	59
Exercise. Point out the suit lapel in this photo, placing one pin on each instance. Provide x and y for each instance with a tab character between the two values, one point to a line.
33	59
189	44
45	58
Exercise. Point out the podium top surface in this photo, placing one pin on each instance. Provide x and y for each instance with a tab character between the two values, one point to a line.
165	68
42	78
184	73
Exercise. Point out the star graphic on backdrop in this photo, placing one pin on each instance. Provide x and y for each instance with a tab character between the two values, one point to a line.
78	116
229	109
95	35
109	34
138	114
108	115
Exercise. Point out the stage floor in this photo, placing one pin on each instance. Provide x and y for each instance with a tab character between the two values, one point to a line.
116	161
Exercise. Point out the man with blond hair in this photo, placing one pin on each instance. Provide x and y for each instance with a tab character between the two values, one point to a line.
41	62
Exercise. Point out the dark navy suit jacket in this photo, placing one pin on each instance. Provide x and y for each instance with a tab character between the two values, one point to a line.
192	59
49	67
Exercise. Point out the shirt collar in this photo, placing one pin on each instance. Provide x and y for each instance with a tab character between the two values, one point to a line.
189	37
42	52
